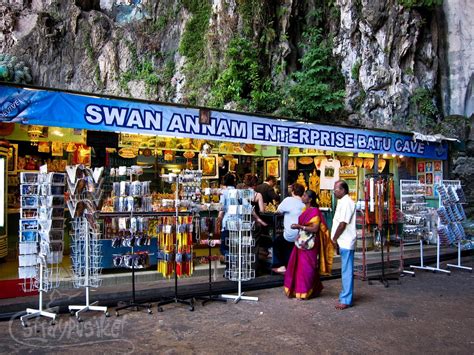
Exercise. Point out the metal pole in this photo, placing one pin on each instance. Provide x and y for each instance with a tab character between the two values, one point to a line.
284	172
86	242
41	288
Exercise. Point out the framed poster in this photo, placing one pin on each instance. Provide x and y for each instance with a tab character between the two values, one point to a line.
429	166
12	159
209	166
272	167
292	163
421	167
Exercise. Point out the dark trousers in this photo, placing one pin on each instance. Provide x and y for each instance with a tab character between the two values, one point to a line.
224	248
281	251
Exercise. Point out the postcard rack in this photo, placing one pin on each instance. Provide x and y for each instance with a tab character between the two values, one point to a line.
41	236
85	192
240	242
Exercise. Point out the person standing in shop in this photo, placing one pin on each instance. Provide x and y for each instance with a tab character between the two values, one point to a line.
267	189
291	208
343	233
229	184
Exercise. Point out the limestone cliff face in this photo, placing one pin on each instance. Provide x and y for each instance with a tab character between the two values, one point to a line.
387	53
458	83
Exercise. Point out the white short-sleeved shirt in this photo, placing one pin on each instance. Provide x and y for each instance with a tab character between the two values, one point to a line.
345	212
291	207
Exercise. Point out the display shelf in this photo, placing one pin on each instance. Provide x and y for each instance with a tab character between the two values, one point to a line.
415	212
451	215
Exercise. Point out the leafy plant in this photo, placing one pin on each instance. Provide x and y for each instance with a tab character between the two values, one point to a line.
192	45
424	102
242	82
141	70
318	88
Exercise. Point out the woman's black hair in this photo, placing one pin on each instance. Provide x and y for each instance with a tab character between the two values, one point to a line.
229	180
313	196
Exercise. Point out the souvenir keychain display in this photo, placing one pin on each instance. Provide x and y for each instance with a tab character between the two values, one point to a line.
130	199
380	212
416	217
207	226
241	257
451	215
85	191
175	232
41	235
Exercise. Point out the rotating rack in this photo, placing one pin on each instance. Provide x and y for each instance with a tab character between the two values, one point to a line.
451	214
240	258
85	192
41	236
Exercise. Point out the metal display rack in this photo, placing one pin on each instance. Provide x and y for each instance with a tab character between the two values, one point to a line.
190	181
210	297
451	214
416	217
123	191
85	192
240	258
41	236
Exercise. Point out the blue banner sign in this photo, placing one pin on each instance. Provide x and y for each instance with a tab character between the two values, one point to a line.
64	109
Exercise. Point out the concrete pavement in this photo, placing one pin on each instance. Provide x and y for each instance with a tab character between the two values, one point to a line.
429	313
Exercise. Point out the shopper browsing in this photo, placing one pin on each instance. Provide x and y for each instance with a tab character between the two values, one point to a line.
229	185
267	189
302	276
291	208
250	182
344	233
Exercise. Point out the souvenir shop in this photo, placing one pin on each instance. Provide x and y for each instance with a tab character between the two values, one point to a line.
152	172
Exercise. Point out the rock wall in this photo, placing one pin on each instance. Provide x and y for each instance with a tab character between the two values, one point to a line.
387	53
459	93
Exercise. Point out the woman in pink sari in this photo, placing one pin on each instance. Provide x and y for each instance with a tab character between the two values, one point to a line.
303	270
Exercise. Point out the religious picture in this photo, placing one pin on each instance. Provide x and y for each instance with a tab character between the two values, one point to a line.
429	166
429	178
421	178
437	165
57	149
208	164
12	159
421	167
437	177
429	191
272	167
292	163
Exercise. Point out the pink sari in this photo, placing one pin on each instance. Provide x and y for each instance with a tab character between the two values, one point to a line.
302	273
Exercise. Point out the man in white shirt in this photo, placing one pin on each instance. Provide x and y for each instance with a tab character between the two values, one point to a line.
344	233
291	208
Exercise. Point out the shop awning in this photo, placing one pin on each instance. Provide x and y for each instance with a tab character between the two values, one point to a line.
50	107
